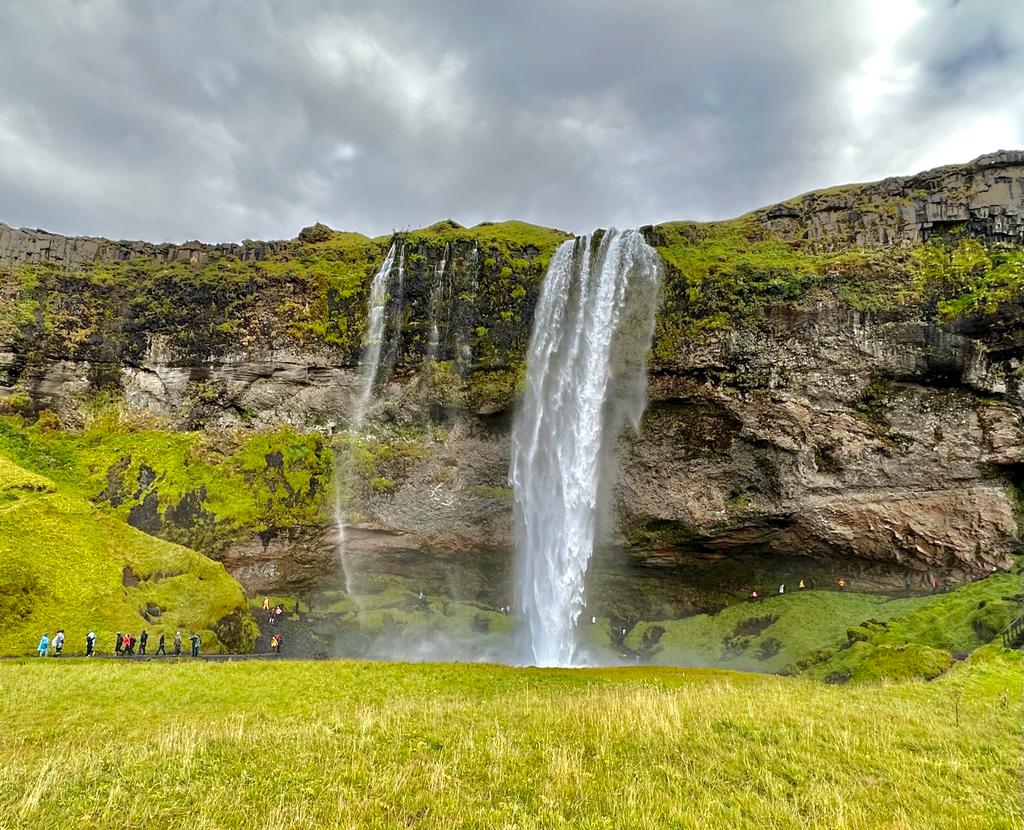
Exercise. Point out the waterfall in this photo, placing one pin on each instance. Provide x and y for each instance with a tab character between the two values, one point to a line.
396	313
436	301
369	361
585	377
369	364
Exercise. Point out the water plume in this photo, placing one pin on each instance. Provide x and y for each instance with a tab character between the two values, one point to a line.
585	378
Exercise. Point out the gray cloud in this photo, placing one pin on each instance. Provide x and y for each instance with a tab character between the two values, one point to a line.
232	119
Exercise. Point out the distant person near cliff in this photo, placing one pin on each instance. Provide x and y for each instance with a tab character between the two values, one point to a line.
90	643
196	642
160	647
177	644
44	645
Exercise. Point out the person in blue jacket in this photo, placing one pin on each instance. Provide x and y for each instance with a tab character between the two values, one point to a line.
44	645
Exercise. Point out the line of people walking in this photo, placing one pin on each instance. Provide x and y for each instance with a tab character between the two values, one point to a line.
125	644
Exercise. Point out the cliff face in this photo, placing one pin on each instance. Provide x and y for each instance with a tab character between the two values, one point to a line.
983	197
838	376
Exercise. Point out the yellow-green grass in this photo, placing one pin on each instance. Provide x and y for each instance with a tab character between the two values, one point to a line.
349	744
66	564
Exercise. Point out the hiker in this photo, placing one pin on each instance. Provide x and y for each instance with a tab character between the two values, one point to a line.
801	586
593	619
753	595
278	611
44	645
129	645
266	603
160	645
90	643
119	643
143	639
196	642
177	644
782	588
275	644
58	643
841	583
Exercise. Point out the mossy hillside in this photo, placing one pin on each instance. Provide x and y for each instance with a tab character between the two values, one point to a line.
442	745
64	563
309	294
481	307
305	293
816	631
723	274
198	489
965	277
720	273
929	637
866	663
766	636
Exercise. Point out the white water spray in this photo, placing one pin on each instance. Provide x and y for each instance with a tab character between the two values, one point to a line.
586	376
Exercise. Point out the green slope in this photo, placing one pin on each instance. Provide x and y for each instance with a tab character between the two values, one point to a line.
65	563
833	635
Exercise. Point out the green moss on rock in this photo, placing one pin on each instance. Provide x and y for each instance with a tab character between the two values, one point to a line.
66	564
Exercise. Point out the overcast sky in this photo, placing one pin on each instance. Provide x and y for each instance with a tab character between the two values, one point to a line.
226	119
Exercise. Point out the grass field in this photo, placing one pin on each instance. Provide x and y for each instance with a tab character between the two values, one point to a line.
349	744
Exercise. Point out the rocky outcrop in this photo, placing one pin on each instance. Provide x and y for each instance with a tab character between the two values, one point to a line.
832	434
24	245
984	197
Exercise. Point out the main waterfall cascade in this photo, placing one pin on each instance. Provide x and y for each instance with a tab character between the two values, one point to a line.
585	378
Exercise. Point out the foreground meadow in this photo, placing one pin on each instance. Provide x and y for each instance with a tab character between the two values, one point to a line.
347	744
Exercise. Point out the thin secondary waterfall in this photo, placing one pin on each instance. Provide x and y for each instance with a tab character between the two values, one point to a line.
436	301
585	377
369	364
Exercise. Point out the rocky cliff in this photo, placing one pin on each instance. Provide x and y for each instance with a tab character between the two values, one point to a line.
838	376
